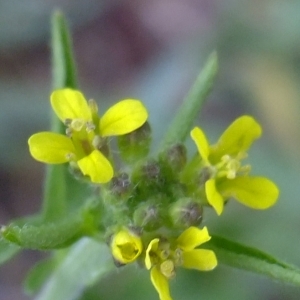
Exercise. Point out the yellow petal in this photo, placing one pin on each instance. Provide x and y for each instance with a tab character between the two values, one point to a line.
97	167
192	237
199	259
70	104
50	147
123	117
255	192
201	142
214	198
126	246
152	247
160	283
238	137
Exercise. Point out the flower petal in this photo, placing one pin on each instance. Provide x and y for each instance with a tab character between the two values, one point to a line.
97	166
50	147
192	237
201	142
126	246
214	198
160	283
199	259
152	247
70	104
238	137
255	192
123	117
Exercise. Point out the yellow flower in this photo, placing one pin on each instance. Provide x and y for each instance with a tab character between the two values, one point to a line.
226	177
85	136
162	257
126	247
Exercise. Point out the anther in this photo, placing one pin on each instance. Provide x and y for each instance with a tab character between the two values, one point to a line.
93	106
67	122
168	269
77	124
90	126
69	132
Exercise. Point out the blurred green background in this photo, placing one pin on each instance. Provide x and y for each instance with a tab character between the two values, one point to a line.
153	50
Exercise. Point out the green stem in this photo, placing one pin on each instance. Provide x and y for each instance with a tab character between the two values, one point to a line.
184	119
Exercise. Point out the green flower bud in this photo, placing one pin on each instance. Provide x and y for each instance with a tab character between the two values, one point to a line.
120	184
148	179
175	157
147	216
135	145
186	212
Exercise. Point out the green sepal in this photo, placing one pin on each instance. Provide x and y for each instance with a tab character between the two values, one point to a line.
135	145
187	113
250	259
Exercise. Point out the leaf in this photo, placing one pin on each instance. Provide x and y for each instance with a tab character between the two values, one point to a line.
184	119
86	262
7	250
47	235
38	275
64	75
63	63
250	259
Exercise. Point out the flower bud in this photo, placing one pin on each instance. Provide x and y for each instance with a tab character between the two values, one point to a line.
126	246
120	184
147	216
148	178
186	212
175	157
136	144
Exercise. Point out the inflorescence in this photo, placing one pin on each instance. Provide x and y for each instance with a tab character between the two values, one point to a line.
153	206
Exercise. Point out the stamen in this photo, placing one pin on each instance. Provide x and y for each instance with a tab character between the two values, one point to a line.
90	126
93	106
168	269
164	254
178	257
77	124
230	167
69	132
70	156
68	122
97	142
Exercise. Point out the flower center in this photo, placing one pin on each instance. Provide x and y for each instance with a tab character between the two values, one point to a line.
167	268
230	167
166	259
128	251
82	133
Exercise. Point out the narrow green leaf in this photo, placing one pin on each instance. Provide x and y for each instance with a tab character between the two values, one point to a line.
38	275
86	262
64	75
45	236
63	63
41	235
184	119
7	250
251	259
